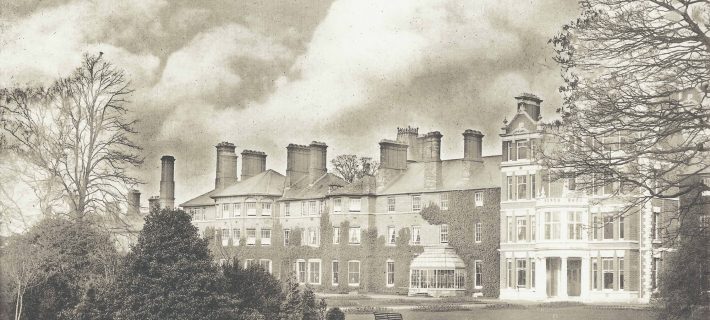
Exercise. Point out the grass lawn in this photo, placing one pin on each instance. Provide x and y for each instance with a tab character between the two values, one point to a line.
530	313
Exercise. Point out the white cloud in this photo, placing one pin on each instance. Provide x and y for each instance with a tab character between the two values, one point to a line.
49	43
202	68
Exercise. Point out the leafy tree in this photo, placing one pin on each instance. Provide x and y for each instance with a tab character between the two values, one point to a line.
350	167
335	314
75	138
292	304
55	264
684	280
255	288
309	307
169	274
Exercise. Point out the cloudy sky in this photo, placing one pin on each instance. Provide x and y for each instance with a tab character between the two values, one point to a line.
262	74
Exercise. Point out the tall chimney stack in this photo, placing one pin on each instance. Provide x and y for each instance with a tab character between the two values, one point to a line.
317	160
529	103
134	202
253	163
472	145
167	182
297	160
226	174
409	137
393	160
431	155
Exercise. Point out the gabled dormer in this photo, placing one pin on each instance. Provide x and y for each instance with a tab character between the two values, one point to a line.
522	132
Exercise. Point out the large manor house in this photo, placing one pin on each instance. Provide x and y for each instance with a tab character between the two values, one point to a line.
479	225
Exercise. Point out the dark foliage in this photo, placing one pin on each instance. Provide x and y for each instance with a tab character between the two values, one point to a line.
169	274
255	288
335	314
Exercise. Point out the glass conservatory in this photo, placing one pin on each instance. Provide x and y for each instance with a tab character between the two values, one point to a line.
437	272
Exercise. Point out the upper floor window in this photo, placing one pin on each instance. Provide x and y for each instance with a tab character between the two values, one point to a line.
444	200
355	204
251	208
225	210
287	235
354	235
265	237
522	225
416	235
304	208
336	235
337	205
312	207
391	235
478	199
522	186
391	203
478	232
523	149
509	146
574	225
608	226
416	202
706	182
237	209
552	225
444	233
287	209
251	237
511	187
266	208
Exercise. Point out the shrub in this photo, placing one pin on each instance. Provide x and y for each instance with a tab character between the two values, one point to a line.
335	314
441	307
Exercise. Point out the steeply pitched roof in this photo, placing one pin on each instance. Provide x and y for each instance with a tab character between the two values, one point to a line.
269	183
484	174
318	189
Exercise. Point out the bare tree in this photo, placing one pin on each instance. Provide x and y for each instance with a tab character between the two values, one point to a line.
350	167
75	137
22	263
636	113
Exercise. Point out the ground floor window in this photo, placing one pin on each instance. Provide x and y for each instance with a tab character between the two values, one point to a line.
522	269
608	273
335	270
654	272
478	274
439	279
266	264
314	271
390	273
353	273
509	272
301	271
621	273
595	274
532	273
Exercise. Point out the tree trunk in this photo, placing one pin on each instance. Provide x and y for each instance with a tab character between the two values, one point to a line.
18	302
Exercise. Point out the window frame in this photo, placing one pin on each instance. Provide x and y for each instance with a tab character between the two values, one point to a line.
478	233
444	233
336	235
352	207
335	273
265	241
444	201
311	263
350	271
478	198
416	202
391	204
250	211
354	231
389	275
478	273
287	237
338	204
266	208
418	239
391	235
251	241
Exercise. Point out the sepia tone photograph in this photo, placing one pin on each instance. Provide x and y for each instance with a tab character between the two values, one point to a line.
355	159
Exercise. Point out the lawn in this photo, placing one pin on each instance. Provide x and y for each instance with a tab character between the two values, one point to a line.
530	313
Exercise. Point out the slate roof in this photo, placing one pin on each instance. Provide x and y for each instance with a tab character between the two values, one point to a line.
484	174
267	183
364	186
202	200
318	189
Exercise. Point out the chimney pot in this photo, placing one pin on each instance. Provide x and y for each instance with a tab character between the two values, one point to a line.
167	182
253	163
472	145
226	173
